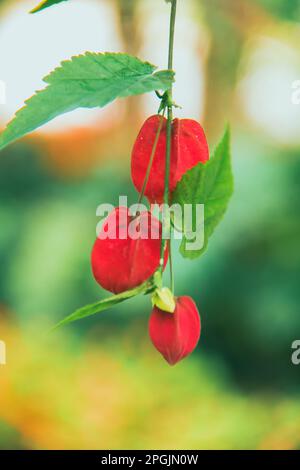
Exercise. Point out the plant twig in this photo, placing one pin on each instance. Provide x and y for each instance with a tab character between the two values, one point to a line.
169	121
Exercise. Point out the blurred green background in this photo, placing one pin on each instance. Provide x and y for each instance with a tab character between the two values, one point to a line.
99	383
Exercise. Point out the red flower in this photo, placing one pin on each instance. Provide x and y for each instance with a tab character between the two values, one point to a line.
175	335
120	262
189	147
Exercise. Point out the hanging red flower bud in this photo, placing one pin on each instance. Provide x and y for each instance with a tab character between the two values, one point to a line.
175	335
127	250
188	147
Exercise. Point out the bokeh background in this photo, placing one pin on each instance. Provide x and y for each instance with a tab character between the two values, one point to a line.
99	383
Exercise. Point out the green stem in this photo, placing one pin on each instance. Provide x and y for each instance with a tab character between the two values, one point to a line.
169	121
172	35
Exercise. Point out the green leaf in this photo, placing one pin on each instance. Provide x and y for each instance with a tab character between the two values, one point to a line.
210	184
105	304
86	81
45	4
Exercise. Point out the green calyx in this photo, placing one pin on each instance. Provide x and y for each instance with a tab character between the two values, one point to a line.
164	300
166	101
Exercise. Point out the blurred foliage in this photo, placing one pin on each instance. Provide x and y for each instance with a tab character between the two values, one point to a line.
99	383
284	9
111	392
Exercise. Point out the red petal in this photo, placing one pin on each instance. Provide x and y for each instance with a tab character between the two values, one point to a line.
189	144
175	335
141	155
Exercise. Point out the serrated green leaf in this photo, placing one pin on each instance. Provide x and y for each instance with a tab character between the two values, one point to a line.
86	81
210	184
105	304
45	4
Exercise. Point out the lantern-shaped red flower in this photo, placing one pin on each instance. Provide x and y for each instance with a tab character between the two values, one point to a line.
127	250
175	335
188	148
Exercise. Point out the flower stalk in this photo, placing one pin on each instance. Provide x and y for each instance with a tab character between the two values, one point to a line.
169	101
